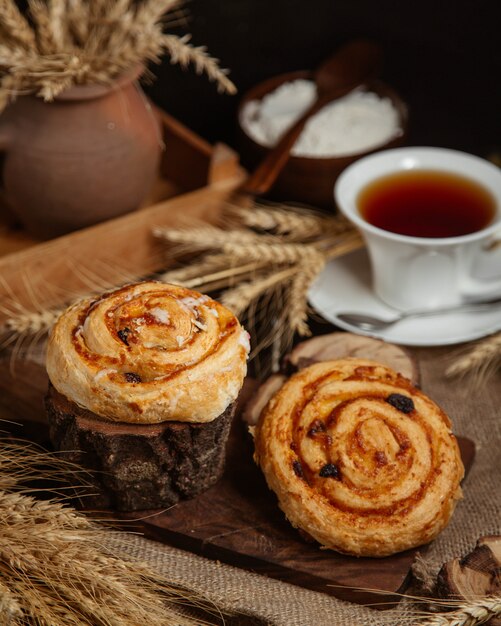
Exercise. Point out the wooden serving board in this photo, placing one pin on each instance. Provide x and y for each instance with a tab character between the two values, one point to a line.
238	520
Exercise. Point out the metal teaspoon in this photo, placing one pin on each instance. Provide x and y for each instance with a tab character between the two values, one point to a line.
370	322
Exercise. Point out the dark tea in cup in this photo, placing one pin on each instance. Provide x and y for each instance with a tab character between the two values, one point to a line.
428	217
427	203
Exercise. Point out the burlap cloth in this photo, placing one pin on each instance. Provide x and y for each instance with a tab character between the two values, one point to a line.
475	412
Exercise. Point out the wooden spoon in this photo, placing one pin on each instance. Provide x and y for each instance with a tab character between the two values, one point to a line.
355	63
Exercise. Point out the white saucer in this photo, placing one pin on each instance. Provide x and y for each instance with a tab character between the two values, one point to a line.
345	286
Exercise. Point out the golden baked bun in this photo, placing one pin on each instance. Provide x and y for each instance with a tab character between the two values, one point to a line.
148	353
359	459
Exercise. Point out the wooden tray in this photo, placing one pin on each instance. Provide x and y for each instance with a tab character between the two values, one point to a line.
194	180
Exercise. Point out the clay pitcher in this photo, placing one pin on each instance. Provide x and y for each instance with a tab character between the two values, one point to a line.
90	155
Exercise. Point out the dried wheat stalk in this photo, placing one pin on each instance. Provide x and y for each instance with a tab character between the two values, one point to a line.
271	252
205	237
243	295
273	255
298	299
55	568
480	361
263	267
74	42
185	273
14	28
293	222
223	278
467	615
344	245
182	52
20	464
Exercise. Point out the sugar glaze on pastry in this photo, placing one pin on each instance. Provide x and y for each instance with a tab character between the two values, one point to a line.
148	353
359	459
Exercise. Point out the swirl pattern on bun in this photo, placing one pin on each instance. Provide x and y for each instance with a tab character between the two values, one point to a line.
148	353
359	459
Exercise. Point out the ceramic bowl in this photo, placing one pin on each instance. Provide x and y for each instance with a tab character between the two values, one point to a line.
306	179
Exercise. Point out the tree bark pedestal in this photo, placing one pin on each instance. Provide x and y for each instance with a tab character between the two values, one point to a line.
137	467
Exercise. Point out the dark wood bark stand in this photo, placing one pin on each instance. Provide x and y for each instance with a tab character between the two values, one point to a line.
135	467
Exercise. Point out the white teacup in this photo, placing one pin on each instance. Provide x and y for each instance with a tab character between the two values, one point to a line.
420	272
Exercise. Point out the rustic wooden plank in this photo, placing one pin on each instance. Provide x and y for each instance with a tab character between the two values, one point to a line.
238	521
12	237
187	157
22	389
115	251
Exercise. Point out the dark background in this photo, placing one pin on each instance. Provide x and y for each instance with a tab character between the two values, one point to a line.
443	56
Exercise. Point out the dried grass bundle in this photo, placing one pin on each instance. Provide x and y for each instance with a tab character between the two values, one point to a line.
55	569
264	265
75	42
14	28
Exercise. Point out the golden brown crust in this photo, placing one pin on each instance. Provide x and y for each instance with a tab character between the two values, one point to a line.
149	353
359	458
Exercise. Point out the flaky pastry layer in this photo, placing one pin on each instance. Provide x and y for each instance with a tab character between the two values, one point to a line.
148	353
359	459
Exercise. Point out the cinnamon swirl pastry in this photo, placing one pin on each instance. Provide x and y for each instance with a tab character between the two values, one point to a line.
143	388
359	459
148	353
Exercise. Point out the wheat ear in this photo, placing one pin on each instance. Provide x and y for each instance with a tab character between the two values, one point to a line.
298	295
484	355
151	11
55	567
14	26
77	15
182	52
14	57
10	609
275	253
292	222
32	323
59	25
242	296
77	42
468	614
45	36
206	237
